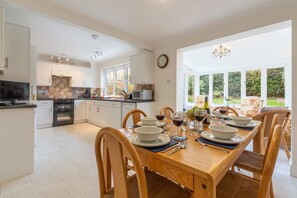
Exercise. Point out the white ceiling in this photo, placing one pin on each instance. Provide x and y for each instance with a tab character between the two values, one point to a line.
142	23
263	50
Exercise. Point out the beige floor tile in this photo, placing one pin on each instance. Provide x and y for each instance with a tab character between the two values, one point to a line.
65	167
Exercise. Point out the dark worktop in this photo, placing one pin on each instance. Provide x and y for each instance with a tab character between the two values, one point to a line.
19	106
106	99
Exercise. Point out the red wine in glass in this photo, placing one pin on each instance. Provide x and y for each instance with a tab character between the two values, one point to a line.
177	122
160	117
199	118
223	111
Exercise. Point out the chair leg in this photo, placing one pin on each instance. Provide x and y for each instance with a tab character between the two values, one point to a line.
271	193
283	142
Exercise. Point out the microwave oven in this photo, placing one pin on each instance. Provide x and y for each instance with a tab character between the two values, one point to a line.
142	94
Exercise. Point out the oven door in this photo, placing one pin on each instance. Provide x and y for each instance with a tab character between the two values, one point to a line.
63	114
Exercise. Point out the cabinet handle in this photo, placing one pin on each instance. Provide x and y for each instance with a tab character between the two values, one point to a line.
72	82
89	108
98	109
6	62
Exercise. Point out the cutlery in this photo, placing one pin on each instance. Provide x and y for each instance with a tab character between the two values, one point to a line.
169	148
181	146
209	145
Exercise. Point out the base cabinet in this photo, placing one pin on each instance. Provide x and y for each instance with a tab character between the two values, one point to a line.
79	111
44	114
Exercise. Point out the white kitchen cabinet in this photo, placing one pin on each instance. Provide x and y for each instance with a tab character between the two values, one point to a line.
141	67
44	113
16	53
59	69
79	111
1	39
44	73
77	77
93	112
110	114
146	107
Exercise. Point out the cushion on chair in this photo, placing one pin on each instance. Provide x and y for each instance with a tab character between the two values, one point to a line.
234	185
250	161
157	186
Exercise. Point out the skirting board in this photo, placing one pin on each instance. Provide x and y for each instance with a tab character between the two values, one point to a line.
293	170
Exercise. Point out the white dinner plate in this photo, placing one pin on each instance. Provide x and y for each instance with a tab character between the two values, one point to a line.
162	140
232	123
158	124
235	140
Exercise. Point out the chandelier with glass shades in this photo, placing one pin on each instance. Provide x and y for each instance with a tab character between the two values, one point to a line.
221	50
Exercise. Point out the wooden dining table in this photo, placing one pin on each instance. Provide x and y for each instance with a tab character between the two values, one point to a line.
198	168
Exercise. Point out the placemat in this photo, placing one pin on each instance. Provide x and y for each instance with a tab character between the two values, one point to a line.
227	146
246	128
161	148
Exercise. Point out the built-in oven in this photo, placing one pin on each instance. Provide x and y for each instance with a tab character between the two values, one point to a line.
63	112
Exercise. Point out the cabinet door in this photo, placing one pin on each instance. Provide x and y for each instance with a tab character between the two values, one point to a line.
79	110
59	69
1	38
16	53
43	73
44	115
110	117
141	68
77	77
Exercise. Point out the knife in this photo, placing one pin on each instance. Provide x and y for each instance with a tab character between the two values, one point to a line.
169	148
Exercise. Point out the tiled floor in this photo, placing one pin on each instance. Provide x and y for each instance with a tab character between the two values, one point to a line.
65	167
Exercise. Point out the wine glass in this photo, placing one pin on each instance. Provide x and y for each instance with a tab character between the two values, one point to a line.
200	115
160	118
177	121
223	110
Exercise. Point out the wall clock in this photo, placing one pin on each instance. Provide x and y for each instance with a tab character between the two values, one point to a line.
162	60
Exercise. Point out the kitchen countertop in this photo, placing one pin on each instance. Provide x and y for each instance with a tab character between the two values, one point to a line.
106	99
21	106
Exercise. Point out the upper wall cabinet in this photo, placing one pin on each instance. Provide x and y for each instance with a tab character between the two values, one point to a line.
44	73
59	69
16	53
1	39
141	66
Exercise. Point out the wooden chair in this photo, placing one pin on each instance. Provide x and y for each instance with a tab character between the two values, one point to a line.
235	185
136	116
168	112
230	110
254	162
266	115
143	184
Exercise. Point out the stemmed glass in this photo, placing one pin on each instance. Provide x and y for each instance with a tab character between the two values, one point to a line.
200	115
160	118
177	121
223	110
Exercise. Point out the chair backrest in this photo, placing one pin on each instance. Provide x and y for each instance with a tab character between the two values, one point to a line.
266	116
251	105
167	111
270	162
136	116
118	147
230	110
199	101
273	124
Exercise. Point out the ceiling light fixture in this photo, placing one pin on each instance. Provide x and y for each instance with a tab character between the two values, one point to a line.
61	59
221	50
94	36
96	55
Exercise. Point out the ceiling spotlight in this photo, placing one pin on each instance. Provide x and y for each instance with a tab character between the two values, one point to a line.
59	57
67	59
52	57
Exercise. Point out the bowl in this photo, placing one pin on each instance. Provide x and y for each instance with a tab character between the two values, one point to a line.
149	120
241	120
223	132
148	133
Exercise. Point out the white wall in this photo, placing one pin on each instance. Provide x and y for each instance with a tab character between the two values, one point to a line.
166	85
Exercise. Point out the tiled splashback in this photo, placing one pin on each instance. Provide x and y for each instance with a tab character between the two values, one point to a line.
60	89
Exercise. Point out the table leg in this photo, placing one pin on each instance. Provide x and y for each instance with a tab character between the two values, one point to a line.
258	141
203	187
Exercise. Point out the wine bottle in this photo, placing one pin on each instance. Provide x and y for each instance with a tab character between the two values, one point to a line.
206	107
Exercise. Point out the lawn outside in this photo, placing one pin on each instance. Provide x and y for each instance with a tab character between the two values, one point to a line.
272	102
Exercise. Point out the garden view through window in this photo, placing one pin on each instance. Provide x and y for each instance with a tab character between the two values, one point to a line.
253	85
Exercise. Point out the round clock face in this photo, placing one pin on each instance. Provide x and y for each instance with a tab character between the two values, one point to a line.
162	60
